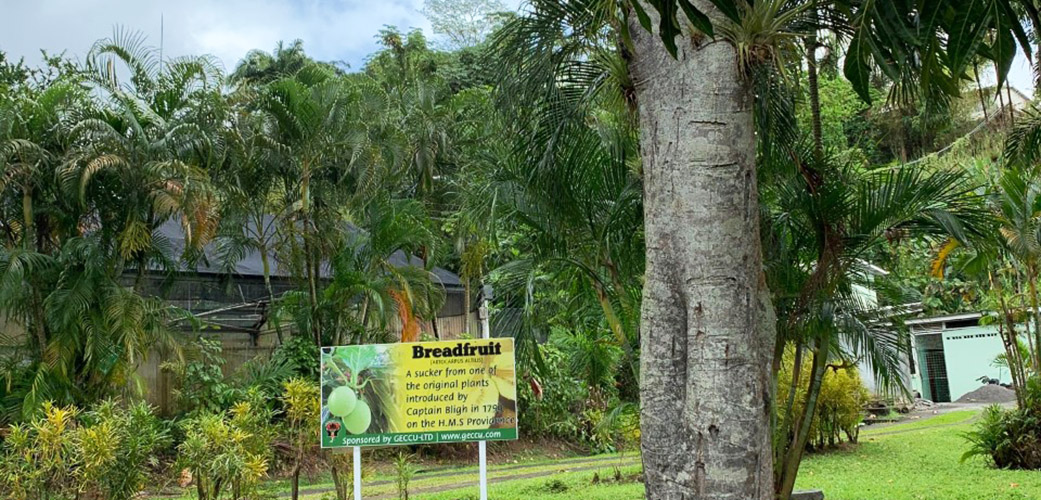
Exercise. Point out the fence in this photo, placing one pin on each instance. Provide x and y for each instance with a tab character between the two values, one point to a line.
157	386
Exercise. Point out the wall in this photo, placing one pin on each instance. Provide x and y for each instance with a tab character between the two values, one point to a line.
156	386
969	354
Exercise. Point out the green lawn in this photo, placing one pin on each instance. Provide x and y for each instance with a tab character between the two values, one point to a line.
922	464
916	460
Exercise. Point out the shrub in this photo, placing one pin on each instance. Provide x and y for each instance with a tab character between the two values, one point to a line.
302	402
404	471
569	408
839	405
1010	438
556	413
300	355
65	454
201	386
228	452
199	381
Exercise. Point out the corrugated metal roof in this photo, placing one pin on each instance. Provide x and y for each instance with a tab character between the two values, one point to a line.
941	319
251	264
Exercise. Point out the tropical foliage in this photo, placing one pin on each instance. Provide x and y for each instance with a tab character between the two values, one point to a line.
516	162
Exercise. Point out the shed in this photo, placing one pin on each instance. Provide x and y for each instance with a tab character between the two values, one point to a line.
950	353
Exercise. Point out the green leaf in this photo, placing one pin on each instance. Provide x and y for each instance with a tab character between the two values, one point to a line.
668	28
857	67
698	18
728	8
641	15
970	22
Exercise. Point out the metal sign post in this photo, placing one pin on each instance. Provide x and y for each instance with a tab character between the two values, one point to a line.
482	446
357	473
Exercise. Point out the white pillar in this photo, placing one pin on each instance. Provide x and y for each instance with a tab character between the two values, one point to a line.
357	473
482	446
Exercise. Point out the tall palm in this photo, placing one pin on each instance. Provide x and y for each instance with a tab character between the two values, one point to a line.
696	114
259	67
335	159
39	218
815	273
252	201
139	160
574	207
375	278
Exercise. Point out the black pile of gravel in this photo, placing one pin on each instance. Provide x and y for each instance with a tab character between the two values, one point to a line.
989	393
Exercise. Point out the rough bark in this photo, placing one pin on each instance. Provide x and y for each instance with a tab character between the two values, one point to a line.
705	387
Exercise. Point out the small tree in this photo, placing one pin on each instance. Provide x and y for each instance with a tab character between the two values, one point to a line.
227	452
302	402
404	470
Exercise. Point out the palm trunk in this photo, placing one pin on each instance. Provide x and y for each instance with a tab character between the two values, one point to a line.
1001	103
793	457
266	262
705	386
1007	330
312	285
27	215
814	88
466	304
1032	286
1011	108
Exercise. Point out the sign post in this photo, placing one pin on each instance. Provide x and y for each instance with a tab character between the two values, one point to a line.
482	447
357	473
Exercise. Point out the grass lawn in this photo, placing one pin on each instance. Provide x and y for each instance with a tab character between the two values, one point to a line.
916	460
922	464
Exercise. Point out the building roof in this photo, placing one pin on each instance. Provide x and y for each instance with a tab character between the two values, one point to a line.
943	319
251	265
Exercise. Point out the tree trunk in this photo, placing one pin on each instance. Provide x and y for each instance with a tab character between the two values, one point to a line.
466	304
1011	107
705	387
793	455
339	483
266	261
1032	286
814	88
294	481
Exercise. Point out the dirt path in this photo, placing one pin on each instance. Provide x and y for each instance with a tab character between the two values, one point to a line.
466	477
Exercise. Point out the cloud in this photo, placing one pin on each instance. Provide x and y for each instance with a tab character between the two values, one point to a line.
332	30
342	30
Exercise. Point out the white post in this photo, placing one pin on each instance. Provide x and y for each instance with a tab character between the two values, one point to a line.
482	451
482	446
357	473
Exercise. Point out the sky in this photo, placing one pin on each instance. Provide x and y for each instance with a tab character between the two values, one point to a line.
332	30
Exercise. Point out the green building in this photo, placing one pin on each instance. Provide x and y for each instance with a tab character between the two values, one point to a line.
950	353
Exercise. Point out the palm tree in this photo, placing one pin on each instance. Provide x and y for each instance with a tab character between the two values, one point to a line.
572	207
252	204
141	160
310	118
696	115
374	278
816	237
259	67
